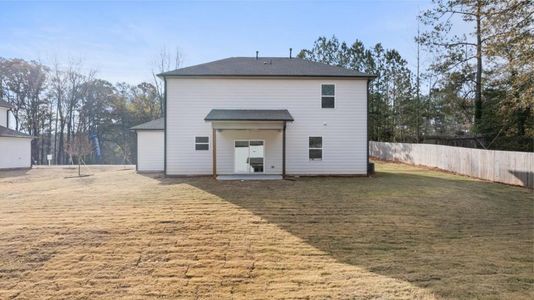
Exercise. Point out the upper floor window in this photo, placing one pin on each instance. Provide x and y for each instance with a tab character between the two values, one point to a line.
202	143
328	95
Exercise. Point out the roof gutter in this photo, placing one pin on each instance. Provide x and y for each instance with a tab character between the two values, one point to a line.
163	75
8	106
246	120
146	129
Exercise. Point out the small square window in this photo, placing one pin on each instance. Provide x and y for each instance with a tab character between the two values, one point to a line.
202	143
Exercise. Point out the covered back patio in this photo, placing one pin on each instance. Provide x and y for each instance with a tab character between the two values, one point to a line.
249	144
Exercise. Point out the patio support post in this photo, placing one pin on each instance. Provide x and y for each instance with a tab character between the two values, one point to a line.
284	151
214	152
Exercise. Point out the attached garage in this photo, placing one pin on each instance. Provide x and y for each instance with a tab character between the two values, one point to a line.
150	146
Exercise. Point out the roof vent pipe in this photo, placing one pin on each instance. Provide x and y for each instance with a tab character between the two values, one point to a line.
257	52
290	53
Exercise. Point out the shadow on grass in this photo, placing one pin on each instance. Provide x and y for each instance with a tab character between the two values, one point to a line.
78	176
454	236
13	172
526	178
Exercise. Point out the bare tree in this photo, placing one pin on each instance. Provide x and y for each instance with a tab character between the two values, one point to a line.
55	104
69	86
79	146
78	89
58	90
167	61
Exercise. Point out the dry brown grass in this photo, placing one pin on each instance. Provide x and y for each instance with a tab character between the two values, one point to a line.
406	233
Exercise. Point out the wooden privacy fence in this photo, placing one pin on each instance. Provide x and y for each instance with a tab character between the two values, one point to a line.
509	167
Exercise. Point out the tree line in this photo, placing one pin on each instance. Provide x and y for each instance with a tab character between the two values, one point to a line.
60	105
479	84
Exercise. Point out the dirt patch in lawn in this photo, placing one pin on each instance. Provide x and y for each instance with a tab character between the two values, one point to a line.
405	233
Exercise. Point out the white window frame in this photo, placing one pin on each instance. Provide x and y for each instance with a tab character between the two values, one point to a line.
310	148
333	96
208	143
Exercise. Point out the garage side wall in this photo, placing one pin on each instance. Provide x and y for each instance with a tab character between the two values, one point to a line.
15	153
150	150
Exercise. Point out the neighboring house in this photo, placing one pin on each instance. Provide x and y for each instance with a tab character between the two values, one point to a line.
15	147
247	116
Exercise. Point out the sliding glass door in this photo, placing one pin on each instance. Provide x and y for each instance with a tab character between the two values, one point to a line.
249	157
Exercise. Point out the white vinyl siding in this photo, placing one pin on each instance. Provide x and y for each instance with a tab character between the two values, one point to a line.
189	100
150	150
15	152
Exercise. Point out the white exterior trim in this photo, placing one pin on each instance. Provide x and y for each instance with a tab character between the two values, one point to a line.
322	148
208	143
321	92
248	125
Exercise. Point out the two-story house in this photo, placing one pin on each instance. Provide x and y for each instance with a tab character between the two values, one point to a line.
15	147
252	117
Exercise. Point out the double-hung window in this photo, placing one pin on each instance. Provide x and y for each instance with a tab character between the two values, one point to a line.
328	95
202	143
315	147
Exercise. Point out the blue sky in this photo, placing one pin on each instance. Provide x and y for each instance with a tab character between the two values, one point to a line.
121	40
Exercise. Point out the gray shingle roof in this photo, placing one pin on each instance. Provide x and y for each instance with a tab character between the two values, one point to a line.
7	132
152	125
266	66
248	115
5	104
